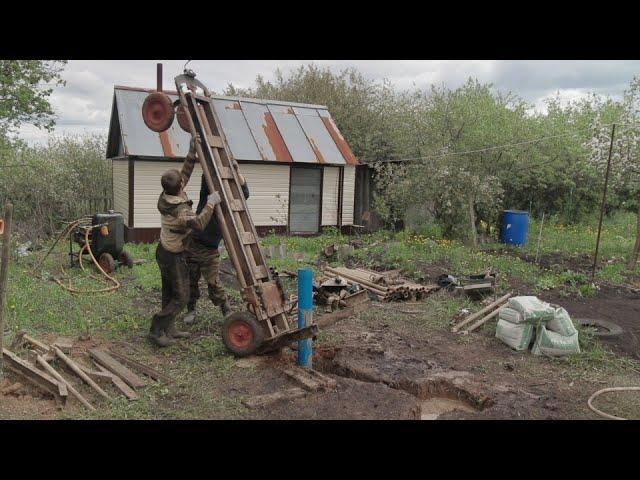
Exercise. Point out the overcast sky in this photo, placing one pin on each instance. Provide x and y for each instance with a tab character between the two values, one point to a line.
84	104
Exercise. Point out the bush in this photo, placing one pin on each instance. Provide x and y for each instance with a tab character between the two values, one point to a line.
63	180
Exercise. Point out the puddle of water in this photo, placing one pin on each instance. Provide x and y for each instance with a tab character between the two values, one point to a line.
433	407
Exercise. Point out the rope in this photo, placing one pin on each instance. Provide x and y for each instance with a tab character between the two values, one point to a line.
605	390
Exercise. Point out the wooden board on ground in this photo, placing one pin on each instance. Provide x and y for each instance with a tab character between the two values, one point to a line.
119	383
310	379
35	376
271	398
148	371
111	364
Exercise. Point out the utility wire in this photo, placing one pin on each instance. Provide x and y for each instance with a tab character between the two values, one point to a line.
496	147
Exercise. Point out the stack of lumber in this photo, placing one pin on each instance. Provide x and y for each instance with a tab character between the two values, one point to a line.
109	369
387	286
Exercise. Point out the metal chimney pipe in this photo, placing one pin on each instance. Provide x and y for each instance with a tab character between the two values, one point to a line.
159	77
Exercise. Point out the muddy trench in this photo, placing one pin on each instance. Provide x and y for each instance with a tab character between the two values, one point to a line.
438	391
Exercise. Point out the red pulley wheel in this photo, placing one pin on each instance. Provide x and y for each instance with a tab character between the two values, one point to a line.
157	111
240	334
183	121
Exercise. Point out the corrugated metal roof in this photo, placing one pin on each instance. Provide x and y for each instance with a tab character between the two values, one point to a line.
257	130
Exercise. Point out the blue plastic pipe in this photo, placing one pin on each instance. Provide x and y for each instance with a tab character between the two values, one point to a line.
305	314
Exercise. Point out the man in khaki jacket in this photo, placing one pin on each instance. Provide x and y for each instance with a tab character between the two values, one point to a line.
177	222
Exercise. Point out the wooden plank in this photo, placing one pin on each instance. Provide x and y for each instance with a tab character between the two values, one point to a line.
310	379
119	383
486	309
236	205
225	173
150	372
35	376
215	141
43	363
271	398
483	320
76	369
111	364
248	238
260	271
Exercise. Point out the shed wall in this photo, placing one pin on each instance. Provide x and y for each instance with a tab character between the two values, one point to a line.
121	188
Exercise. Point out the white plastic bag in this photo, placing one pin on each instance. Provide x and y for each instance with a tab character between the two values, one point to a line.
517	336
561	323
554	344
532	309
510	315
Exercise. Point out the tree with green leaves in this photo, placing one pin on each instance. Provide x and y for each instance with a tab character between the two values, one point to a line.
25	90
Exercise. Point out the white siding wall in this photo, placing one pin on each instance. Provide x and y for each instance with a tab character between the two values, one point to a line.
330	196
121	188
348	194
268	185
269	189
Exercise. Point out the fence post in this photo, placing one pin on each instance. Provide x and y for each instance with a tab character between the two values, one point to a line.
305	314
4	272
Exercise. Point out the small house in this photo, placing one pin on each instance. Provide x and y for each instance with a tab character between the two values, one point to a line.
300	171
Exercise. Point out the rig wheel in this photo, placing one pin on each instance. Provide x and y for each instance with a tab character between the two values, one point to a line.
181	116
107	263
242	334
157	111
126	259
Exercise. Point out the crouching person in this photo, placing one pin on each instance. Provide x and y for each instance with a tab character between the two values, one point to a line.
177	222
203	259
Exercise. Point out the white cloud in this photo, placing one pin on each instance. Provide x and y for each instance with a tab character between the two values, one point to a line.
84	104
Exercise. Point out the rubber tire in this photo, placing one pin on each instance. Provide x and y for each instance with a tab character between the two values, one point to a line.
107	262
157	111
613	329
126	259
250	321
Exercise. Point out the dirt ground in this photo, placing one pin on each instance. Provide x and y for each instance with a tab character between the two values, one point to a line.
617	305
393	361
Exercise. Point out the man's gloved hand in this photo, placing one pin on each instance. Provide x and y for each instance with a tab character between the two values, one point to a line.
192	145
213	199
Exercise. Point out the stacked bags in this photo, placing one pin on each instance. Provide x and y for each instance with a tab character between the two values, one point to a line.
555	334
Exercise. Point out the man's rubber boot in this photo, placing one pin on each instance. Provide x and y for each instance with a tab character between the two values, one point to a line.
173	332
225	308
190	317
158	336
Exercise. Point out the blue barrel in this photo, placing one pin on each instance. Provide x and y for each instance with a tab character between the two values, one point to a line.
515	227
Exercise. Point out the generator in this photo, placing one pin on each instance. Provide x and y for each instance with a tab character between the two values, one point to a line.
103	233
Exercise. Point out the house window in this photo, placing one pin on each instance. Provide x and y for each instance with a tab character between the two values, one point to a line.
305	200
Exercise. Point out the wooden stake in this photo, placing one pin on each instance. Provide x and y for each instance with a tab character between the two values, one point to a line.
486	309
52	371
4	272
604	200
483	320
539	238
76	369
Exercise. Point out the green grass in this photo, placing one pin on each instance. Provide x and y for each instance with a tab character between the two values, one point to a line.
43	308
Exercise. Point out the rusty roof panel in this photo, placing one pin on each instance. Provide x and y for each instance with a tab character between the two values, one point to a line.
254	115
293	135
320	139
236	130
339	140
